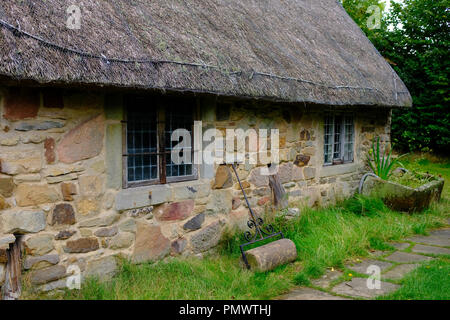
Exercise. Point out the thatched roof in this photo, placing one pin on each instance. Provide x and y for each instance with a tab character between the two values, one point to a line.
286	50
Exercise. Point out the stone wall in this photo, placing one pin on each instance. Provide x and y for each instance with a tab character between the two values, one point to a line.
61	181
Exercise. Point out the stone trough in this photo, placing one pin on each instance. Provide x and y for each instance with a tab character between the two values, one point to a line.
402	198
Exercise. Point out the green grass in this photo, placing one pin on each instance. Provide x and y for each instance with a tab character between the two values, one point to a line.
328	237
411	179
325	238
211	278
428	164
431	281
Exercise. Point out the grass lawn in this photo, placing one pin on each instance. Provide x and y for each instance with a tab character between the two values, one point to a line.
325	238
431	281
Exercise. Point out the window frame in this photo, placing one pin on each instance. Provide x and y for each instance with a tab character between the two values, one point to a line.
342	142
160	139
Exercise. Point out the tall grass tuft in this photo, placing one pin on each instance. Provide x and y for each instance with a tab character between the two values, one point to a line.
382	163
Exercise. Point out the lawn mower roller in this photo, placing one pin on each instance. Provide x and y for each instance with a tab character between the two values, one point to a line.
268	256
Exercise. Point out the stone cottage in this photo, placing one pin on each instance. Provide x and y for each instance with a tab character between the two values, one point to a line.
90	95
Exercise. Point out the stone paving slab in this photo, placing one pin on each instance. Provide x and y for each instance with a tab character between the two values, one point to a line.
405	257
362	266
309	294
326	279
378	253
441	233
399	271
433	240
429	249
400	245
357	287
437	237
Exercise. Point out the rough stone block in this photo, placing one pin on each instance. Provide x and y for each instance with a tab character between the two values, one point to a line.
257	179
64	235
87	207
195	223
39	244
102	221
191	190
48	274
224	178
38	125
24	221
106	232
35	194
178	246
19	162
206	238
128	225
142	197
49	147
68	189
82	245
150	245
113	158
309	173
82	142
40	262
220	203
103	268
4	204
121	241
6	186
91	186
63	213
174	211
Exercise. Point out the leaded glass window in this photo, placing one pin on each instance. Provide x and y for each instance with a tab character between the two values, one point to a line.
338	139
148	142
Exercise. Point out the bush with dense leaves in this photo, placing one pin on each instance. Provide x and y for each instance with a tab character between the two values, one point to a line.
414	39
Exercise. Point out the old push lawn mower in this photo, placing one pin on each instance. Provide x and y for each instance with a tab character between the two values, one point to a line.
270	255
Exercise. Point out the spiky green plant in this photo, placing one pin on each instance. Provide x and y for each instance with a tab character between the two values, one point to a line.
382	164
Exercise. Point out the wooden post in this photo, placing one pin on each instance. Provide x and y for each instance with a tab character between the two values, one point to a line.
280	199
12	288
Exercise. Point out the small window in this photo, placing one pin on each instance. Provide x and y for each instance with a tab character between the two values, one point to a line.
338	139
148	141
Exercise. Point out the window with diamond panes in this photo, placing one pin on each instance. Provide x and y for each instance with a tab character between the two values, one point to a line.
338	139
148	147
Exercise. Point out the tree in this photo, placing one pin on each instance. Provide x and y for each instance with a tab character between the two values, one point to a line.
365	13
414	38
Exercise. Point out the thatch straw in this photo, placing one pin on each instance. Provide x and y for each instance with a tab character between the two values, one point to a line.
286	50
